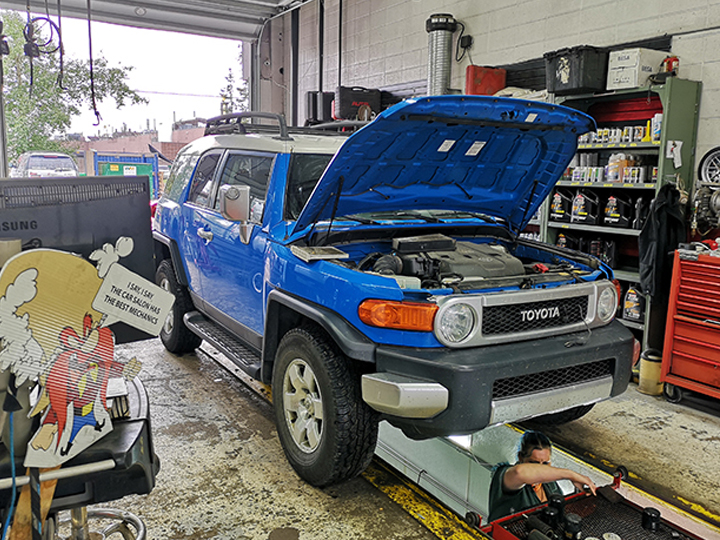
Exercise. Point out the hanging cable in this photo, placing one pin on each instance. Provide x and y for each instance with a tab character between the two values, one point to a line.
459	44
92	74
33	48
61	73
30	48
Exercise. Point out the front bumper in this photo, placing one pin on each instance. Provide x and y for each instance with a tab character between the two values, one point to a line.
439	392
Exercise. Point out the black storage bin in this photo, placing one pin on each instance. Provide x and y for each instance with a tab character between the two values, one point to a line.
311	111
576	70
349	101
324	106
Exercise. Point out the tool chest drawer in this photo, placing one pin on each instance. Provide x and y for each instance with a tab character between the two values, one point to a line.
691	355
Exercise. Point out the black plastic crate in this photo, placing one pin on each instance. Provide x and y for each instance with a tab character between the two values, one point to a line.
353	101
577	70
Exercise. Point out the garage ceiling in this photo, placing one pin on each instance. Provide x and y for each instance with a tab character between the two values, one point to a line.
233	19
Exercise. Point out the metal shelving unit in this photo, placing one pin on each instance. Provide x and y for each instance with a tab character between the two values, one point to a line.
680	100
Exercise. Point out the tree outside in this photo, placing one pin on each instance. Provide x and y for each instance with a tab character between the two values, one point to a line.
235	95
40	99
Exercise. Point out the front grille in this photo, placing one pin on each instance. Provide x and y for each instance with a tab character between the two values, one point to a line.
545	380
514	318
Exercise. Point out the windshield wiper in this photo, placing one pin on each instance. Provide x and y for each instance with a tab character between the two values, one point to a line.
359	219
460	215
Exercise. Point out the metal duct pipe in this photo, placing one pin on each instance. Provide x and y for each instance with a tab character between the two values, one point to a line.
440	28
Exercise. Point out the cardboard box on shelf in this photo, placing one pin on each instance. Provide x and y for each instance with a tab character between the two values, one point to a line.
631	68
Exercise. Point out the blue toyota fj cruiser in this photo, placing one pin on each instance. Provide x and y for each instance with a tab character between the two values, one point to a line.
381	275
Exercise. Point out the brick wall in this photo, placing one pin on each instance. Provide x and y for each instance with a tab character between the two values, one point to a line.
384	42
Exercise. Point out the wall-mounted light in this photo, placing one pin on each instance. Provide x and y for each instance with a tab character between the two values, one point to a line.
140	11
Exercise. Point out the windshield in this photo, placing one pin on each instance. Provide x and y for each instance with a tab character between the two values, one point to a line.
305	171
51	162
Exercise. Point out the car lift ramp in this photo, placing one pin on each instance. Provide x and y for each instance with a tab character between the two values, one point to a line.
438	481
457	471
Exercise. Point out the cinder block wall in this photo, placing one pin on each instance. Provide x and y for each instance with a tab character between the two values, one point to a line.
384	42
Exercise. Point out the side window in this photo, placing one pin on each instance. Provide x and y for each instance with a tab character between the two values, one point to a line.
180	174
202	182
248	170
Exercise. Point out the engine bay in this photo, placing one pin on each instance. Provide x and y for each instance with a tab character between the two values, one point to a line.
437	261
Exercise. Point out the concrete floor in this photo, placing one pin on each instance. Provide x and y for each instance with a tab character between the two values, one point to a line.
224	475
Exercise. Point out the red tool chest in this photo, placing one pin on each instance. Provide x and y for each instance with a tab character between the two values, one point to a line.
691	355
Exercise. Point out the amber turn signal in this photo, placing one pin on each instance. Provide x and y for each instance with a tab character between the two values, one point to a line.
398	315
618	288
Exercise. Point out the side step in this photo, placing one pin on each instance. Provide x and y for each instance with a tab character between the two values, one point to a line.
245	358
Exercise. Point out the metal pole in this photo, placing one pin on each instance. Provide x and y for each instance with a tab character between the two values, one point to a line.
340	25
321	43
295	60
79	524
3	130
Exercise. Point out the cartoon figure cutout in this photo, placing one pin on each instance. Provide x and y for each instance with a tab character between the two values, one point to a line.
55	314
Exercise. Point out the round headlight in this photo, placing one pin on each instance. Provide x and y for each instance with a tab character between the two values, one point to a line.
607	304
456	322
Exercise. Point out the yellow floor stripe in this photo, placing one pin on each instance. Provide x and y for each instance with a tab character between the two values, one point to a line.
439	520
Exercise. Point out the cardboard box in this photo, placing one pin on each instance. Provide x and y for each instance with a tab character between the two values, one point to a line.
631	68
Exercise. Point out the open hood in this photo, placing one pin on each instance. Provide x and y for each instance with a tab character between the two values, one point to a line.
496	156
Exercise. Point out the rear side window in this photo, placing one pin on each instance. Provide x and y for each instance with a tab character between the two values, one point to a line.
244	169
180	174
201	188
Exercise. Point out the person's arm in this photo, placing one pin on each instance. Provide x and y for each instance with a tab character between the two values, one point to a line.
533	473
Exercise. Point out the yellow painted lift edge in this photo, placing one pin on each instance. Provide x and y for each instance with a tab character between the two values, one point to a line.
430	513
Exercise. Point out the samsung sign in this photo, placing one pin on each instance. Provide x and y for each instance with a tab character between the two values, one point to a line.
29	225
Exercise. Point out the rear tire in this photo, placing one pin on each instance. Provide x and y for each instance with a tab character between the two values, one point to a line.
174	334
562	417
328	433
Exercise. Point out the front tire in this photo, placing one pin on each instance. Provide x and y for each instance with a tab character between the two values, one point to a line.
174	334
327	432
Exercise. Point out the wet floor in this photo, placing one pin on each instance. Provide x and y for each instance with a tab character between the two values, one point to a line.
224	476
223	473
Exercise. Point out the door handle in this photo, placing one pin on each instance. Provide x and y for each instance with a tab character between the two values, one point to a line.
205	235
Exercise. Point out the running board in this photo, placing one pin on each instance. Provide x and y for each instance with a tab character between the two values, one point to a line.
225	342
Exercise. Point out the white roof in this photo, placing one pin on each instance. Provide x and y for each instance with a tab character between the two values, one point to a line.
299	143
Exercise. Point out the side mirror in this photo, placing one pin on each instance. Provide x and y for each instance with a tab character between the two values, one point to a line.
235	203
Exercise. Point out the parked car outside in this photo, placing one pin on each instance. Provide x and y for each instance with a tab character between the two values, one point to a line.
384	276
46	164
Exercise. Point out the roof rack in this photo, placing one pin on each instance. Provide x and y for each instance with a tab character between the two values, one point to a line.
345	125
232	123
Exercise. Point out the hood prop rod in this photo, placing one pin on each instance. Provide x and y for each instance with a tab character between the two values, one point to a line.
341	180
527	206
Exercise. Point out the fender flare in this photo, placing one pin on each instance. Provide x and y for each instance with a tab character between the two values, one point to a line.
349	339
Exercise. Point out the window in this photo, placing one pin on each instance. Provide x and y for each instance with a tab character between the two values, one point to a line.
202	182
305	171
248	170
179	177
